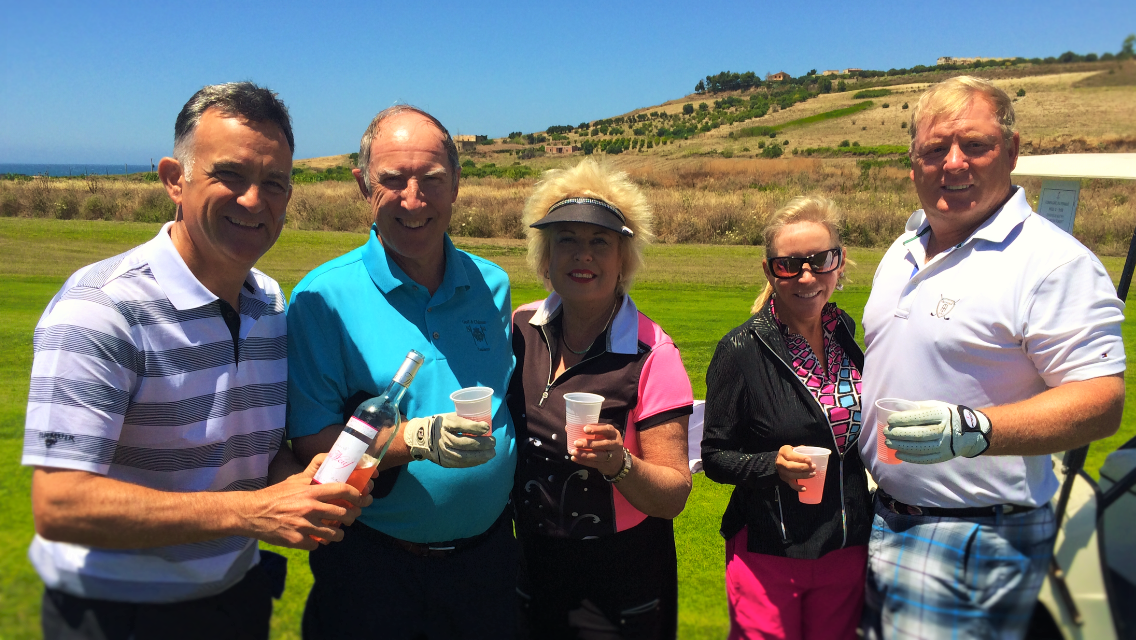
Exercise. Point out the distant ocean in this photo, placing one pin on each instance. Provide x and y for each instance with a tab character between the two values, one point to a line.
72	169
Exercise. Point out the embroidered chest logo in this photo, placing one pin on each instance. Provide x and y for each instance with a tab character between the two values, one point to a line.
51	438
476	329
943	308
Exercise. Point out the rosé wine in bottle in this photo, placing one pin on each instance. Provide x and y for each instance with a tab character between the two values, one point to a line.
368	434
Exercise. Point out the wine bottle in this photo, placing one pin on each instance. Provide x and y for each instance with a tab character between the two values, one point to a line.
368	434
381	413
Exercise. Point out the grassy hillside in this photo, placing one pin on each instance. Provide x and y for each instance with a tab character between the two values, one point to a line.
1078	107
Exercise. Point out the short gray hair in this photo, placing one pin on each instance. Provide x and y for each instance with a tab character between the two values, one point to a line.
234	99
364	162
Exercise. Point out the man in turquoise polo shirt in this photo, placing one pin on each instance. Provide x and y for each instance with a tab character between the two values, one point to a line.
434	555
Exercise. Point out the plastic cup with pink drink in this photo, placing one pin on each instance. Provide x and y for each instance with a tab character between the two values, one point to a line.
474	403
580	409
814	486
884	408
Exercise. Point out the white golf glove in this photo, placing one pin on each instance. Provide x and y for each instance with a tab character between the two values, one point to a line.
449	440
936	432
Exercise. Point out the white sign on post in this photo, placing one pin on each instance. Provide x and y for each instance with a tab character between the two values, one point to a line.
1058	202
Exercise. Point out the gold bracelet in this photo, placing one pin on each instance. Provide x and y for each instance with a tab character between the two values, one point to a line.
623	471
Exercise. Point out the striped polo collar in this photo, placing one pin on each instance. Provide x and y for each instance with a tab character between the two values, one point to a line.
388	276
178	283
624	335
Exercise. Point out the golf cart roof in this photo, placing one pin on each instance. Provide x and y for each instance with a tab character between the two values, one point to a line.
1079	165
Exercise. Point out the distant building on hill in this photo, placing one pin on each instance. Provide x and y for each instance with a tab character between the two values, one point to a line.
468	143
850	70
561	148
950	60
780	76
830	72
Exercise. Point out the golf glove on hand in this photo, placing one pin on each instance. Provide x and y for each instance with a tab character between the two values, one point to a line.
449	440
936	432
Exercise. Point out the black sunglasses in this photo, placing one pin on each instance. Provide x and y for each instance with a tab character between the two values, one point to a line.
823	262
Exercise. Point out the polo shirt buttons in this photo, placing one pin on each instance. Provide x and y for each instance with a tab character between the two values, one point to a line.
437	335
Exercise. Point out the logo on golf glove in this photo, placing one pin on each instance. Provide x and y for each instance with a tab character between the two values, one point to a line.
936	432
449	440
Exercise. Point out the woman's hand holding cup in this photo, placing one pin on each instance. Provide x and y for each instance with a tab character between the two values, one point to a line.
602	450
793	466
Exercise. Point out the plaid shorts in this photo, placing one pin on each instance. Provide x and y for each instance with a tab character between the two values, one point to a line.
931	577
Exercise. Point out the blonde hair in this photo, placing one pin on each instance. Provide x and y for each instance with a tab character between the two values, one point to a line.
951	97
590	179
814	208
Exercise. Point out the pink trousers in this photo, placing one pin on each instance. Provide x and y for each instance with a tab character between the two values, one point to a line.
774	597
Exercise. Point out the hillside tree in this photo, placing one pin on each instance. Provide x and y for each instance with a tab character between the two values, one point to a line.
1128	48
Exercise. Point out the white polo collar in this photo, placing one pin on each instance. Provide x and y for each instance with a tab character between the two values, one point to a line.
179	284
995	229
624	335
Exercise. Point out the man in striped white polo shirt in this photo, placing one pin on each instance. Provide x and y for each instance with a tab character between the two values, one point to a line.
156	412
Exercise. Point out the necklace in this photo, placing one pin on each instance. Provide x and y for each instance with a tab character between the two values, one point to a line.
588	348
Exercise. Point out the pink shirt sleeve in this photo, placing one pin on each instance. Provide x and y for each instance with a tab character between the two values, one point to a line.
663	384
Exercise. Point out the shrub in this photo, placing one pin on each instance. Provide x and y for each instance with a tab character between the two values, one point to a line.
9	205
885	105
95	207
903	125
785	143
843	143
772	151
1021	93
904	105
855	144
155	206
67	207
688	108
761	145
871	93
702	106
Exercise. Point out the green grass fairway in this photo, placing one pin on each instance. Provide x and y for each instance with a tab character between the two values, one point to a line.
697	293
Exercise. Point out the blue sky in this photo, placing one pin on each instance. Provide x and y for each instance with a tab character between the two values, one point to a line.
91	82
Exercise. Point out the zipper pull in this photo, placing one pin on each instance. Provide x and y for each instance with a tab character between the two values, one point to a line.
544	396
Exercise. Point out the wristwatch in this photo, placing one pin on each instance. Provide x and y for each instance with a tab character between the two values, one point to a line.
623	471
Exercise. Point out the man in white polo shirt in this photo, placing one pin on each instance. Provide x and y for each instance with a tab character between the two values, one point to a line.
156	412
1006	331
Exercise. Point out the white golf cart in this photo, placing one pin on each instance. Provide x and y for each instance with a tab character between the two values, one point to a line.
1090	592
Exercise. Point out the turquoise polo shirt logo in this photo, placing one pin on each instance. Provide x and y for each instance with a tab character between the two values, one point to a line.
476	329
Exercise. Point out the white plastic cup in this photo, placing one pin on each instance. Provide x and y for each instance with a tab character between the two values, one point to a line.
474	403
884	408
580	409
814	486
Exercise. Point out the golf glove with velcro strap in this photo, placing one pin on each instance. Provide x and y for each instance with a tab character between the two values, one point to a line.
936	432
449	440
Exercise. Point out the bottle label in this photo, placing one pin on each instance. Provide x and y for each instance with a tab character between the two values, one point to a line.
361	428
341	460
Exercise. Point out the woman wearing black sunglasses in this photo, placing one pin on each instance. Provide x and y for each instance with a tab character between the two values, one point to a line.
789	376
